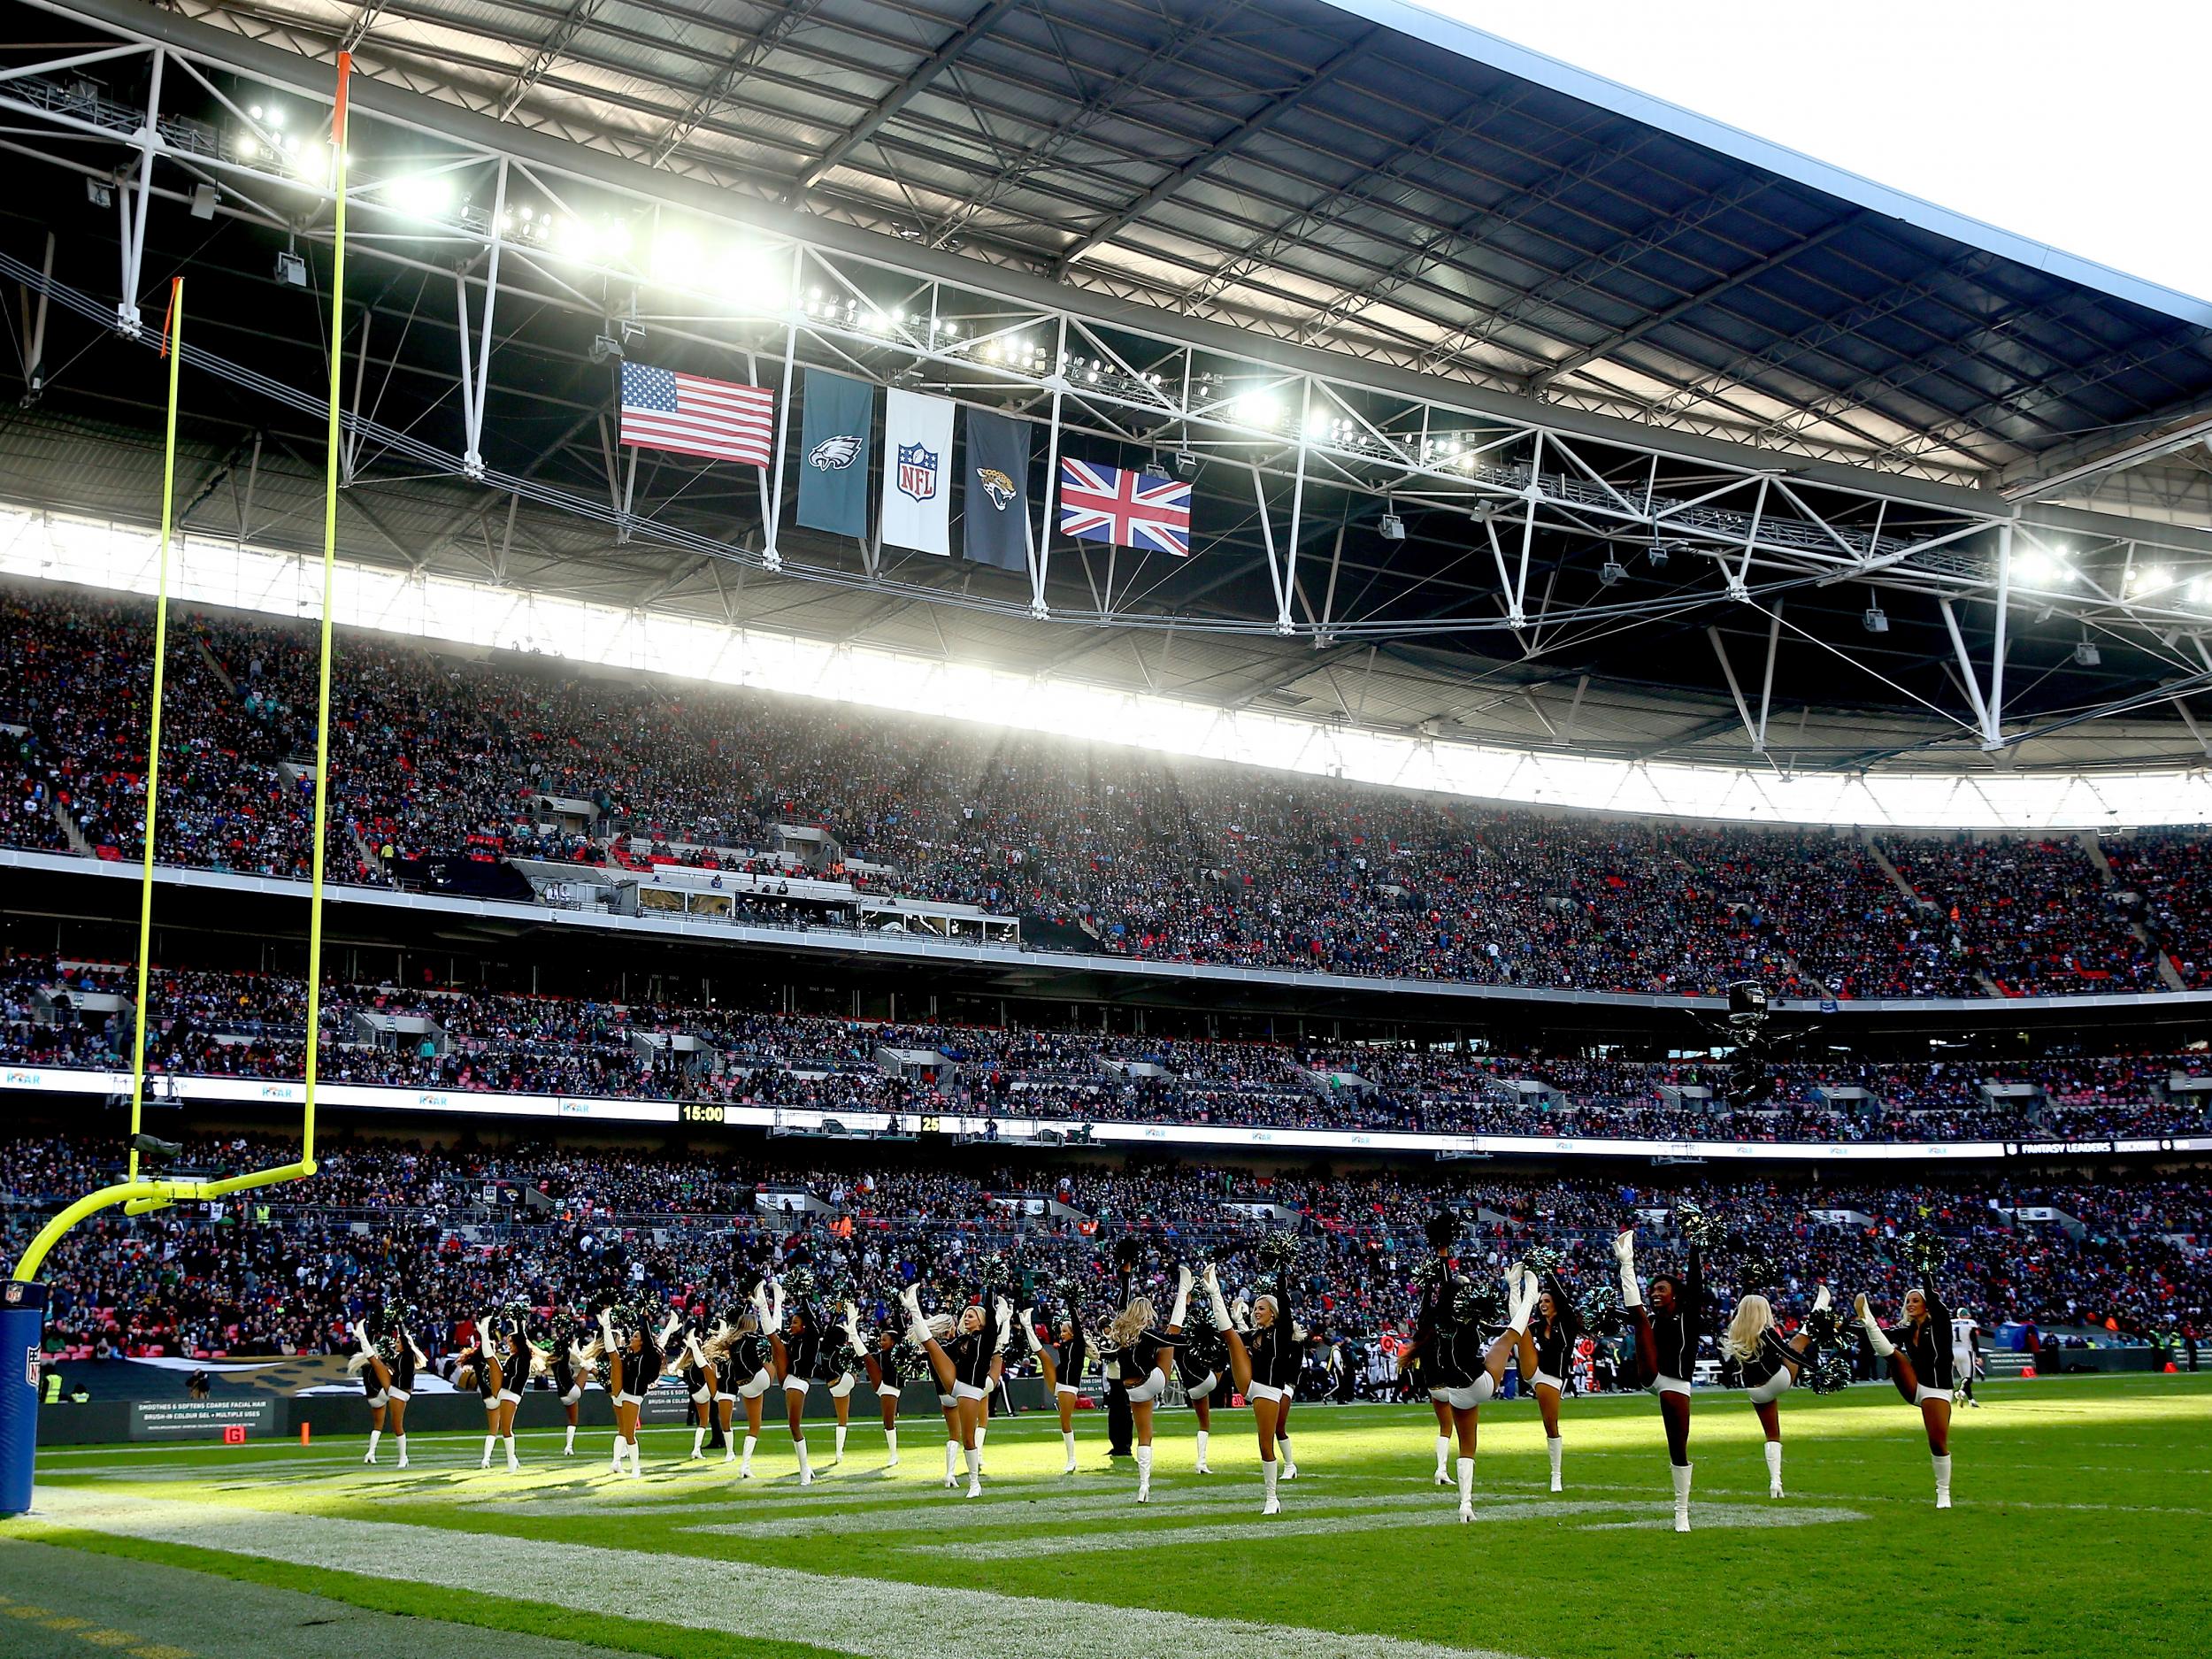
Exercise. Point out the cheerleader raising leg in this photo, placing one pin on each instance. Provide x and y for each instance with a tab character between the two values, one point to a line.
884	1366
568	1382
964	1368
1546	1348
1657	1348
1918	1352
376	1383
699	1374
1771	1368
1146	1352
1257	1367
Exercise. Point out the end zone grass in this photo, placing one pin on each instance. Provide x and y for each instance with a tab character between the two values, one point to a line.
2083	1525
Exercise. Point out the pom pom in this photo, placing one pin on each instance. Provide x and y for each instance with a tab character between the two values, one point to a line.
1479	1303
1544	1260
1704	1231
1757	1269
1829	1374
798	1281
1278	1249
1925	1251
1442	1229
1825	1327
1601	1310
1128	1250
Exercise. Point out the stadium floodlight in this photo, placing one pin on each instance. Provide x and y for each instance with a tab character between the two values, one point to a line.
675	260
1658	558
203	201
2150	579
1186	463
1876	619
1258	409
420	195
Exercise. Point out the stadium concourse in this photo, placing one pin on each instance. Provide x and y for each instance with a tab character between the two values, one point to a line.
1012	827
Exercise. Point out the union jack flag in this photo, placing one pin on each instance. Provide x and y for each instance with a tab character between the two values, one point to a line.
1124	506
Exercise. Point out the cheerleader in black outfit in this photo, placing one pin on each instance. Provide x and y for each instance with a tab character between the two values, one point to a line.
1260	1366
520	1359
1062	1360
1448	1346
1771	1368
1921	1365
385	1364
568	1382
479	1366
798	1346
888	1372
1202	1363
1546	1351
702	1377
750	1368
1666	1347
634	1357
1146	1353
962	1366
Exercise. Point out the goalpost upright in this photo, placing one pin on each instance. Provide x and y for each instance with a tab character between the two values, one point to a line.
22	1303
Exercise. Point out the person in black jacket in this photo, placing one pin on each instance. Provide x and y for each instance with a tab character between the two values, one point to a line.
1919	1356
1667	1336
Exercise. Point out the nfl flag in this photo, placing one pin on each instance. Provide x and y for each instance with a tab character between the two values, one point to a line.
917	472
688	413
1125	507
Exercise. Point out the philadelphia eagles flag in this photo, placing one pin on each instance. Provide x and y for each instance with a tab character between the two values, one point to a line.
995	504
833	454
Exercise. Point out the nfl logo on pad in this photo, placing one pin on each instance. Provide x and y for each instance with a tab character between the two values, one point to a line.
917	471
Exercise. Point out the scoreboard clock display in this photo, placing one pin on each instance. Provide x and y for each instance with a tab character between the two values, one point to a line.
700	1111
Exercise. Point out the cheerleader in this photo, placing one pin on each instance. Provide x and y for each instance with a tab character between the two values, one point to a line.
1062	1362
634	1359
479	1366
1146	1353
1260	1366
888	1372
1769	1367
838	1375
696	1364
1448	1344
1666	1347
569	1377
1201	1363
1921	1365
520	1360
1546	1350
749	1372
962	1366
386	1364
797	1343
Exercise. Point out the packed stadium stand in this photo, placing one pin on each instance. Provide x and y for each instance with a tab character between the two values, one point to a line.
491	758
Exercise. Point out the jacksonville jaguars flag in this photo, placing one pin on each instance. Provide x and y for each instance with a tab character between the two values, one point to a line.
994	499
833	454
917	472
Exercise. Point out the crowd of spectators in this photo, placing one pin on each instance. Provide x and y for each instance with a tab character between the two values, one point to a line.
205	1023
287	1269
440	753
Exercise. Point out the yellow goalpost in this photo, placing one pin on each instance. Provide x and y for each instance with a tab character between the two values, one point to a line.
139	1195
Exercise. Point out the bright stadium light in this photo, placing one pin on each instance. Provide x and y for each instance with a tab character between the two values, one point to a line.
1258	409
420	196
675	260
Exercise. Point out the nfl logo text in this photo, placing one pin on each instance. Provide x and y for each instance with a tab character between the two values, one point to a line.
917	471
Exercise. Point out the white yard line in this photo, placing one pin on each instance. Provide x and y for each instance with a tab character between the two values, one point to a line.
960	1515
1447	1514
871	1617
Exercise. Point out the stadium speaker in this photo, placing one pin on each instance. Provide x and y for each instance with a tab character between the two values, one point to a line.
1391	527
1657	556
291	270
1186	463
1877	619
1611	571
2086	654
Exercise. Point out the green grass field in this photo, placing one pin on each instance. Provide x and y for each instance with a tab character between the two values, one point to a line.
2083	1526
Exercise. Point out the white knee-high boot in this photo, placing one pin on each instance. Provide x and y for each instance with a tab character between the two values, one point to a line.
975	1472
1774	1469
374	1435
1443	1460
1269	1475
1203	1436
1553	1444
1067	1439
1144	1474
1466	1488
1942	1463
1681	1496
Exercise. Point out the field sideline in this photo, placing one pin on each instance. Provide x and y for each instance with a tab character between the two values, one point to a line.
2083	1524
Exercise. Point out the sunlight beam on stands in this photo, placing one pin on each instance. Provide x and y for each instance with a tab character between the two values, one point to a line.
56	546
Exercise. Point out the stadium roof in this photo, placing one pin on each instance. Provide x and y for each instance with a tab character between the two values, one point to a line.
1362	191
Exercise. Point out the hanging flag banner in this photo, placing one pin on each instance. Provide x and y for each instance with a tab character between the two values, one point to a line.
994	499
1125	507
833	454
917	472
665	409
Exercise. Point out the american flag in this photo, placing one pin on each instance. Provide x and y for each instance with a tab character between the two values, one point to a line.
663	410
1124	506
